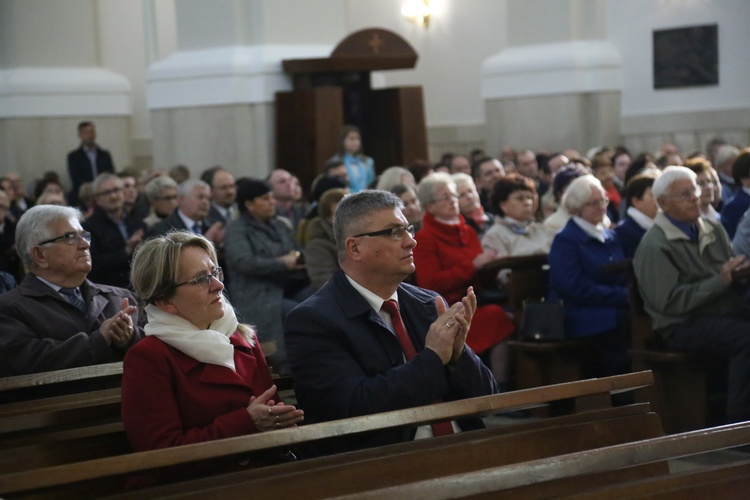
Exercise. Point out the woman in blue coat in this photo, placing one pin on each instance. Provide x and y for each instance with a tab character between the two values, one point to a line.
595	300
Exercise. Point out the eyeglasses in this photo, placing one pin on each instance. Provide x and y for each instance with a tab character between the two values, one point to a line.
71	238
204	280
687	194
396	233
523	197
602	202
447	197
166	198
109	191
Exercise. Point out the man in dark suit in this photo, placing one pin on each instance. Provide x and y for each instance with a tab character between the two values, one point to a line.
193	204
347	354
223	195
88	161
114	233
57	318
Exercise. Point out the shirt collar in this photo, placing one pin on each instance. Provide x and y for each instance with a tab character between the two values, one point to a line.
690	230
189	223
49	284
372	298
640	218
596	232
224	211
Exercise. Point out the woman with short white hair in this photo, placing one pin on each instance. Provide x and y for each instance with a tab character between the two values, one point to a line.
595	301
447	257
470	205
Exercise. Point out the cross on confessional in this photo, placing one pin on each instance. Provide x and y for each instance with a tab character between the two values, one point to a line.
375	42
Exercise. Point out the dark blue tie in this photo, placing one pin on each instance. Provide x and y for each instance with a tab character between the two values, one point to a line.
197	228
74	297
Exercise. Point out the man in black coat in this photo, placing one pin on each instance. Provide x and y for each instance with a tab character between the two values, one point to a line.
345	350
114	233
88	161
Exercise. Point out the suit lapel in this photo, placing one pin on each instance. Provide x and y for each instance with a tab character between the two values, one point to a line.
31	286
354	305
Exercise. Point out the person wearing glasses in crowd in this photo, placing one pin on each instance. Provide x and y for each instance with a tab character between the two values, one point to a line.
161	192
686	275
367	343
595	300
114	232
199	375
57	318
448	257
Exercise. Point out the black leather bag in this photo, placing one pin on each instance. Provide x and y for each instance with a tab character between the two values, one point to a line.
543	321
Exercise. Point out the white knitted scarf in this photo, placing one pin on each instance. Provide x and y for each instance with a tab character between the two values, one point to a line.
207	346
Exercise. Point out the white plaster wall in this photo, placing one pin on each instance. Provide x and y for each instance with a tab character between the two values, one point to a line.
46	33
634	39
122	48
462	34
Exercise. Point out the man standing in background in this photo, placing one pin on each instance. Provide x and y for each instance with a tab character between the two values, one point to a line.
88	161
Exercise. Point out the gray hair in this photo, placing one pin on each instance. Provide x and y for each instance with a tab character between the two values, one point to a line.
725	153
669	176
186	187
352	214
463	179
392	176
430	184
156	186
102	178
35	225
578	193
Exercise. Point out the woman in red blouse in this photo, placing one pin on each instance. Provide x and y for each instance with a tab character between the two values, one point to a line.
447	256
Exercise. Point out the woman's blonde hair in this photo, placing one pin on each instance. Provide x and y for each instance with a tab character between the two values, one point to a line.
156	268
156	264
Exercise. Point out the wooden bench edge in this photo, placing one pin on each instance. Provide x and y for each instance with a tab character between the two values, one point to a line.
135	462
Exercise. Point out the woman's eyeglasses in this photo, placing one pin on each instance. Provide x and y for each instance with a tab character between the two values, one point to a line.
204	280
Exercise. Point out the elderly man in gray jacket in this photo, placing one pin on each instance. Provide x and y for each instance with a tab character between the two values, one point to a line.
57	318
685	271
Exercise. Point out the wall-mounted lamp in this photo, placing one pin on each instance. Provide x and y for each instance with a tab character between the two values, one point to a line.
417	11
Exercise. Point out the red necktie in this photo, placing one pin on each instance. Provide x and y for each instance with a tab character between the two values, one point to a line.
391	307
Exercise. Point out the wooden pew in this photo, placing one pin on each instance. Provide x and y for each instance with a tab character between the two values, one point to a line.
60	411
576	474
727	482
537	362
386	466
59	382
116	466
65	429
682	391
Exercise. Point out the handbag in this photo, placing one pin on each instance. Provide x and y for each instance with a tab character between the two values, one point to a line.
543	320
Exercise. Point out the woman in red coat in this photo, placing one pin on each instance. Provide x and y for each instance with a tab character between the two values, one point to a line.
198	375
447	256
